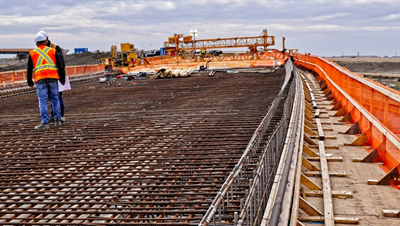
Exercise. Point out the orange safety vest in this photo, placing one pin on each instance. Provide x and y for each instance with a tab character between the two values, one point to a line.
52	45
44	63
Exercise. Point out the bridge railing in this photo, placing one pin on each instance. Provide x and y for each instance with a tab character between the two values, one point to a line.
260	181
374	108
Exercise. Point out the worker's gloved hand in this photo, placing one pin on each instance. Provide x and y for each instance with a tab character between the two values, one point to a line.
30	83
62	81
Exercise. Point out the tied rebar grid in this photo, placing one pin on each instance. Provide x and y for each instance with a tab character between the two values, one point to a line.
267	147
152	154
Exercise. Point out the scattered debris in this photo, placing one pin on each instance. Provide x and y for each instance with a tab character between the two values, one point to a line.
212	73
163	73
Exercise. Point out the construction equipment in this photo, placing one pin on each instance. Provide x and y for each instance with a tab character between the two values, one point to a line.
180	48
178	44
126	56
291	52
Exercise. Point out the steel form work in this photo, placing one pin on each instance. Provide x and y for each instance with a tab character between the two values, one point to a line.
156	157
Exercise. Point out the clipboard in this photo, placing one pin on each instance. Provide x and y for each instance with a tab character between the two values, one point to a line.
66	86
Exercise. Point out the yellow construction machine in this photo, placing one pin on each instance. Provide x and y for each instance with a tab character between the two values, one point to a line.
125	59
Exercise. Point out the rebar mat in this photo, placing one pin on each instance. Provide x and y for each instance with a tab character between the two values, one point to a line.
135	155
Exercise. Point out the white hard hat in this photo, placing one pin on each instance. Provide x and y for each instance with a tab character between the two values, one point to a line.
43	33
39	37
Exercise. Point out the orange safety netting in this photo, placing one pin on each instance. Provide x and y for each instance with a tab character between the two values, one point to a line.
12	77
20	75
83	69
378	111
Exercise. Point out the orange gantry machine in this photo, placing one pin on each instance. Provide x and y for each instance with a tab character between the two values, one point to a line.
176	45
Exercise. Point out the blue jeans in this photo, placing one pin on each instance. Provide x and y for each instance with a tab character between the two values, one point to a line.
62	107
43	91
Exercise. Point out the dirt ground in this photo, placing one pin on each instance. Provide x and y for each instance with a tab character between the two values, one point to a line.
389	67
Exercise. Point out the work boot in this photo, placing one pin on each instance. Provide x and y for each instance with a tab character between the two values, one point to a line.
51	119
57	122
43	126
62	119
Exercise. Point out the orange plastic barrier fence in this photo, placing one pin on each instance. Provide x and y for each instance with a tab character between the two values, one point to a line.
375	107
15	76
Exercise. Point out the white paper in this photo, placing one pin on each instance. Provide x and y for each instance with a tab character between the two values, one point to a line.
66	86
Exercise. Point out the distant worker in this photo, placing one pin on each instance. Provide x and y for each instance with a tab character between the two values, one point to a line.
60	98
47	69
107	74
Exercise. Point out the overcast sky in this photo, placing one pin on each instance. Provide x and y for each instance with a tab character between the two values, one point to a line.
320	27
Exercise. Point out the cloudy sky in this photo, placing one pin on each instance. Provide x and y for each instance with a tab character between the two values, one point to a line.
320	27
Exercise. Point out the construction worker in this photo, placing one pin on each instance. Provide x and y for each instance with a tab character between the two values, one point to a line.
48	69
54	46
60	98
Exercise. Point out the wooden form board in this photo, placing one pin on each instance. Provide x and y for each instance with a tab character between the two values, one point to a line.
326	186
310	154
320	130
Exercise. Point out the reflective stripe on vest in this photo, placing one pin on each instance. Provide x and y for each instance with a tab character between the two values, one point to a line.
43	55
52	45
